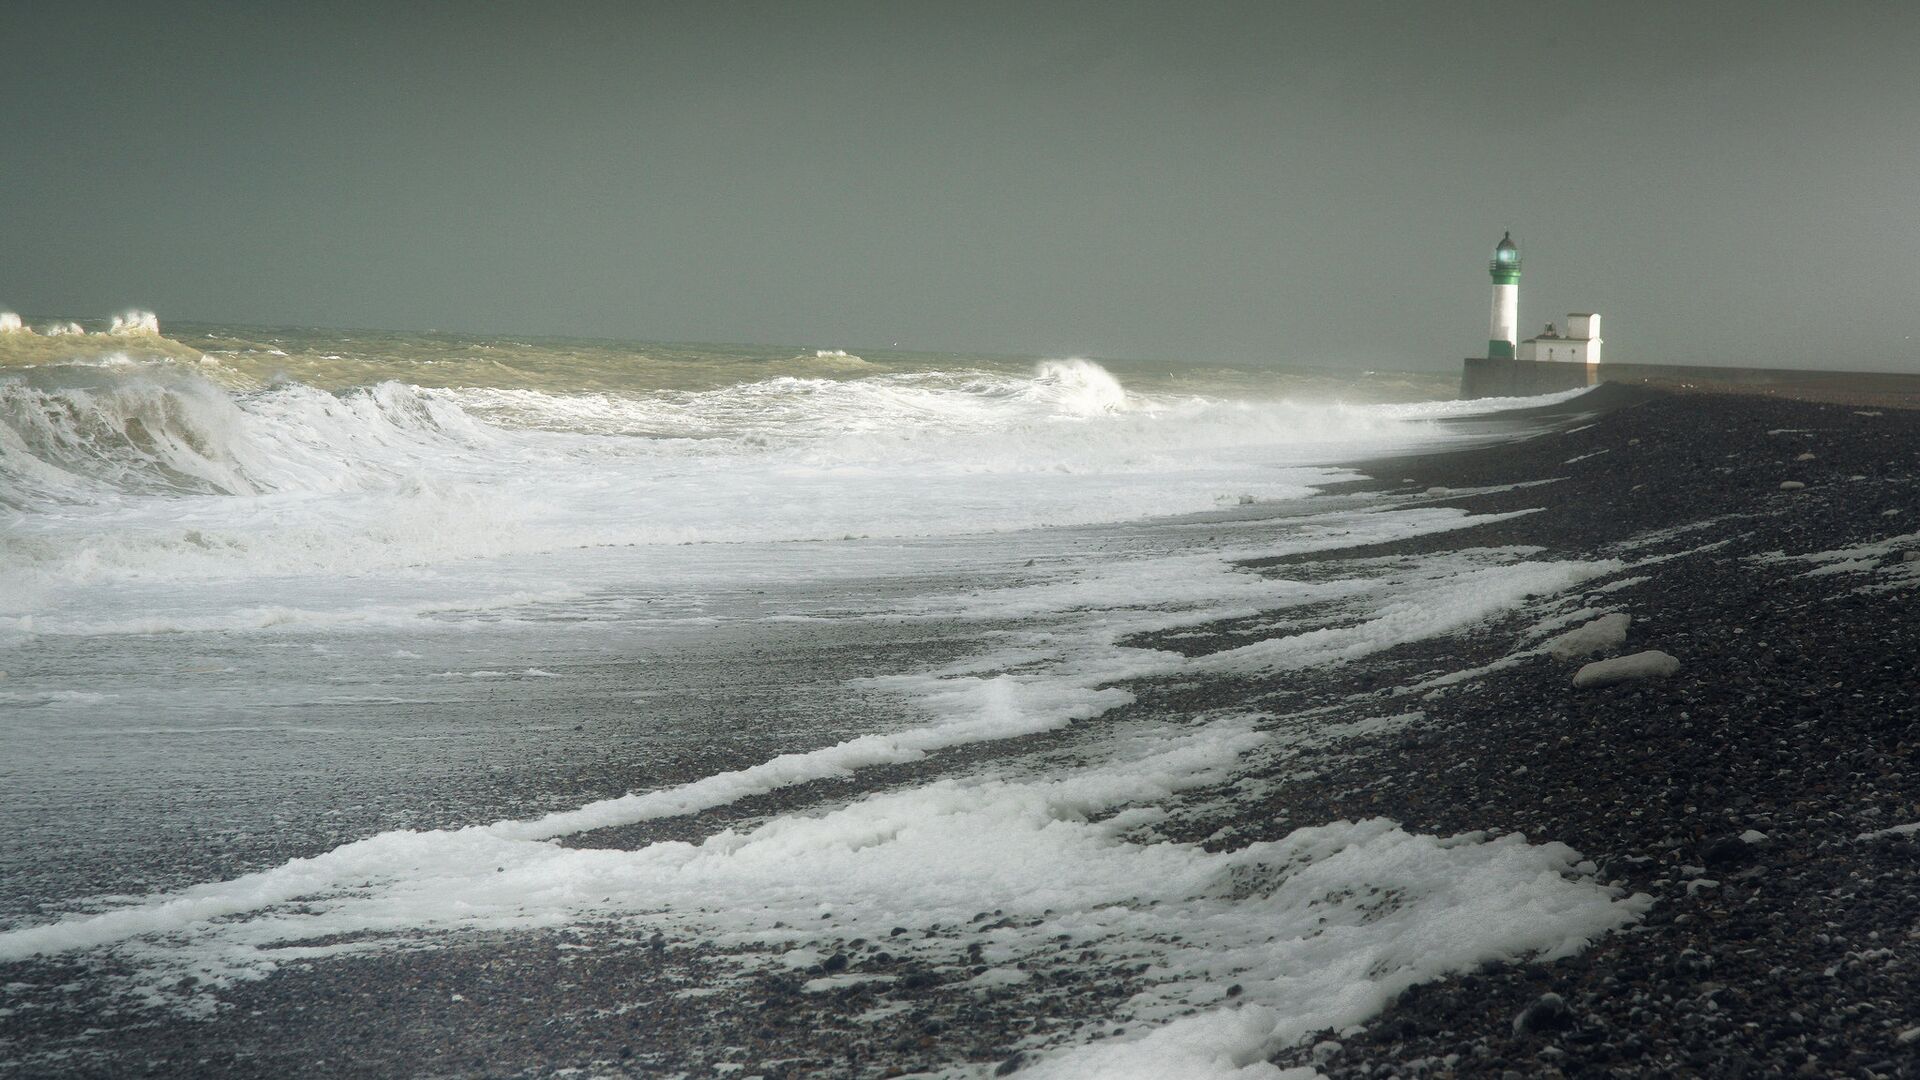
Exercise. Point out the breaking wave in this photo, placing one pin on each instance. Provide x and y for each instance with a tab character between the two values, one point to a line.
1079	387
126	338
84	433
152	471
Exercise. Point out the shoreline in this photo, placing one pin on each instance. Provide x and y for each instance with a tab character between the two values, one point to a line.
1645	793
1792	715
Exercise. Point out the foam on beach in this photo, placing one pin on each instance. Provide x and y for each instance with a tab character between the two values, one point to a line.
1319	929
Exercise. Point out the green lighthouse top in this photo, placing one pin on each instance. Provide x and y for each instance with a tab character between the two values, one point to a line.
1506	261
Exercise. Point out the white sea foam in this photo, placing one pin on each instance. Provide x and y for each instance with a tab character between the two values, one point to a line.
1058	677
388	616
1079	387
1065	676
1211	584
1320	928
1422	605
1880	561
160	475
130	323
970	710
932	855
135	323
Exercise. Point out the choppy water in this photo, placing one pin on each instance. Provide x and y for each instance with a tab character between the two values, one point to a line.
309	634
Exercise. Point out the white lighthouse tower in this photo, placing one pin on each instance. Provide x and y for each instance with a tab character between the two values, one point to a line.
1504	332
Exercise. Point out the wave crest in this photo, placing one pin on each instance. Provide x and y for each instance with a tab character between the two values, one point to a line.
1079	387
85	434
129	337
135	323
152	471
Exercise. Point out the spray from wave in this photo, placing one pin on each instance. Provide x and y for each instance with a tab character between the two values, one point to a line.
128	465
84	435
75	433
1079	387
133	323
125	338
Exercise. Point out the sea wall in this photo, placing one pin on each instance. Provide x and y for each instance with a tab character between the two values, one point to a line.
1483	377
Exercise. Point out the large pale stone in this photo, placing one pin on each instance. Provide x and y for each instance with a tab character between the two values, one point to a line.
1652	664
1603	634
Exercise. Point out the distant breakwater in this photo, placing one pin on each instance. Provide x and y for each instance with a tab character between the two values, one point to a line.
1486	377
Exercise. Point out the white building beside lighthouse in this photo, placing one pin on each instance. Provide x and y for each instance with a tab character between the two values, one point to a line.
1579	345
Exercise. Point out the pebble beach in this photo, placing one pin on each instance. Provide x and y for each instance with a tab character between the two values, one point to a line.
1764	793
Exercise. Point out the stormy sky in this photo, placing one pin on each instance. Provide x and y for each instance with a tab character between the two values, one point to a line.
1284	183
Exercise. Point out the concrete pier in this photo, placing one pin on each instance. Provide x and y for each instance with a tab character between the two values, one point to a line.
1501	377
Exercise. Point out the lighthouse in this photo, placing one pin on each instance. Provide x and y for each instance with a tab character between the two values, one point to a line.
1504	331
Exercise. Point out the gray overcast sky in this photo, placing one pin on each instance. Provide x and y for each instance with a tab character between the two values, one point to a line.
1294	183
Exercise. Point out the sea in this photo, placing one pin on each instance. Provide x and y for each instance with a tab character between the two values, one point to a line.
318	645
